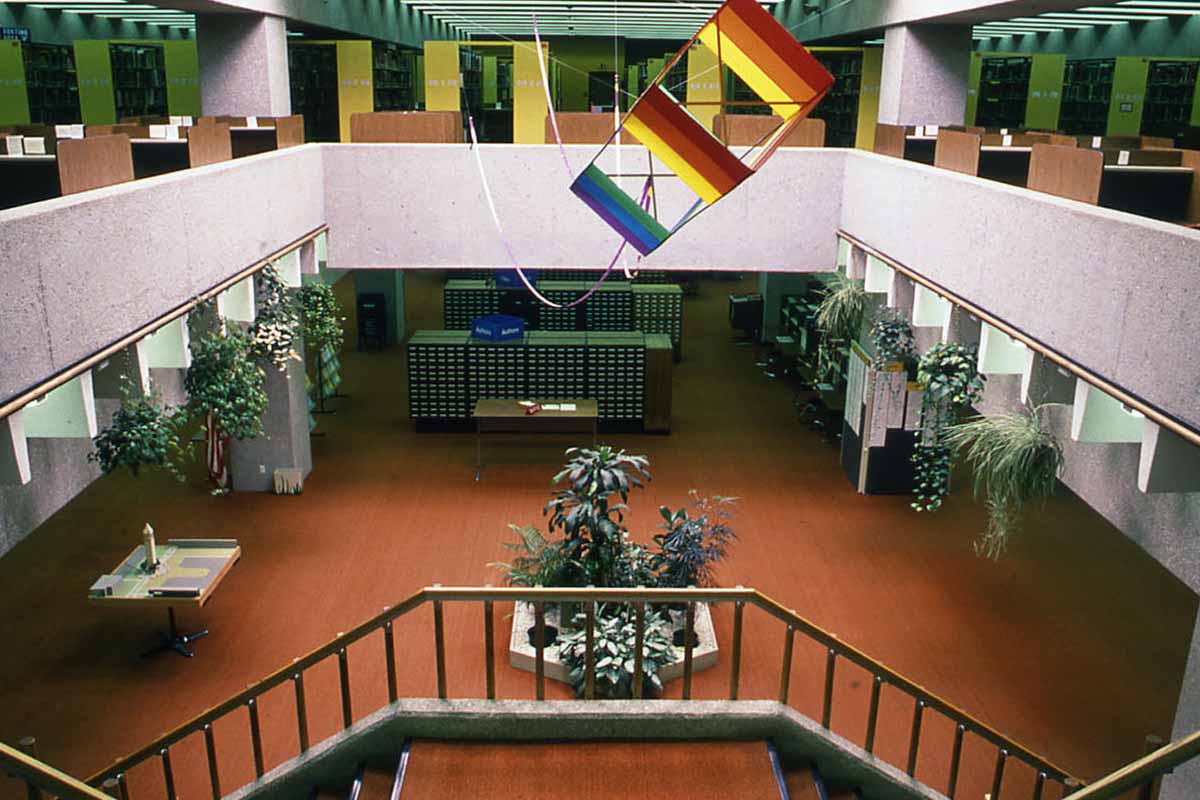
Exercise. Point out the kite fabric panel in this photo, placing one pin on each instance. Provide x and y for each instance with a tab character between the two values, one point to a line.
772	63
784	75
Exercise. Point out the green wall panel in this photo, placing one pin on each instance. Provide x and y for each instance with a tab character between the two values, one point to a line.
973	87
94	70
1045	92
1128	93
14	99
183	78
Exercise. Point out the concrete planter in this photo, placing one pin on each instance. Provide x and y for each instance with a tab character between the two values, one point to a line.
523	655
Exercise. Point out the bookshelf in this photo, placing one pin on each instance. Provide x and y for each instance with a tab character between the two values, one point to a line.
52	84
675	81
314	78
1086	94
839	108
393	69
1003	92
470	67
139	80
1170	95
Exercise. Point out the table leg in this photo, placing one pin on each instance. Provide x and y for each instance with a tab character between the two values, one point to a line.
174	640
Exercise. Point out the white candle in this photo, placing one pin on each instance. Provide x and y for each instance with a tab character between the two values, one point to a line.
151	554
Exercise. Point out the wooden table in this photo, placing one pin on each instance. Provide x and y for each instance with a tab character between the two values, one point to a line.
189	572
508	416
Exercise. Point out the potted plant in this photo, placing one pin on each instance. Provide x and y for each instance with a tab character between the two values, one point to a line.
1016	460
225	389
142	435
615	645
839	316
276	322
691	545
950	384
321	321
538	563
892	337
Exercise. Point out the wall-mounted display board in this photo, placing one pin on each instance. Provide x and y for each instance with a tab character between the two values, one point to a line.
394	73
1171	104
139	80
1003	92
1087	91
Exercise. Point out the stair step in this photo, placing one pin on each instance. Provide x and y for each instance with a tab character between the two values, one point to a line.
800	783
602	769
377	784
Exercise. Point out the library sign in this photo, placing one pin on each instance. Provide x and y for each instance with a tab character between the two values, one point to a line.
15	32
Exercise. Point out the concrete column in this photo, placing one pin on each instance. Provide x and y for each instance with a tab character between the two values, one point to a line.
925	75
284	443
243	65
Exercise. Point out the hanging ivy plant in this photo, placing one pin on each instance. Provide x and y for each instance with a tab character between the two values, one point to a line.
892	337
1016	461
273	335
321	315
142	435
838	318
224	384
949	386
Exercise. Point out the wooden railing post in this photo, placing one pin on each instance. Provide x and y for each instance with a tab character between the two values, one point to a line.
168	774
955	759
389	655
873	712
785	671
914	740
735	666
439	640
998	777
28	746
689	623
210	750
344	681
301	712
539	633
827	703
489	648
255	737
589	652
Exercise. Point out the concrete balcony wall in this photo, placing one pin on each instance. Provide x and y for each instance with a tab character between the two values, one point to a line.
424	206
80	272
1114	292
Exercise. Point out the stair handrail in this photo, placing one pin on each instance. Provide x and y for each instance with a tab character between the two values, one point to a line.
1143	771
437	595
40	776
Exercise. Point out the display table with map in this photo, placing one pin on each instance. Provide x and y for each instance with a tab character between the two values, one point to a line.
188	572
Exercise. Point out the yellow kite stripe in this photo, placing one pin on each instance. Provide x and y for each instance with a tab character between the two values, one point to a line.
748	70
675	162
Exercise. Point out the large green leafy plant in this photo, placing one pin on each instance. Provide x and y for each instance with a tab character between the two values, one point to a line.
589	510
892	337
277	320
950	384
1016	460
142	435
839	316
225	389
615	645
321	315
692	543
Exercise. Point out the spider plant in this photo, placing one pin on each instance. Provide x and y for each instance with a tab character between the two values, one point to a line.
1016	461
843	303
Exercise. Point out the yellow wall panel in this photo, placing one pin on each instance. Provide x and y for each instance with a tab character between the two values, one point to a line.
529	96
356	91
14	99
441	76
490	89
868	98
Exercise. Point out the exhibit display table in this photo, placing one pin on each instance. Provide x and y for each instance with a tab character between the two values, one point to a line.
510	416
188	572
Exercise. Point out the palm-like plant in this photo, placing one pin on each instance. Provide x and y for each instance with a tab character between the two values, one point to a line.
538	562
839	316
592	526
1016	461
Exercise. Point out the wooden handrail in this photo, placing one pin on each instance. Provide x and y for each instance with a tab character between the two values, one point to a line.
19	401
1145	769
1151	412
441	594
46	777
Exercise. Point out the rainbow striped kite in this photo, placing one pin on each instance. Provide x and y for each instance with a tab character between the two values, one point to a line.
760	51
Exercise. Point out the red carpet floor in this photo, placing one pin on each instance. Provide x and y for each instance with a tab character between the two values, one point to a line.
1074	643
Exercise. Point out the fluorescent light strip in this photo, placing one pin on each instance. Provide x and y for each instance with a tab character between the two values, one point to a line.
1157	3
1042	21
1100	17
1137	12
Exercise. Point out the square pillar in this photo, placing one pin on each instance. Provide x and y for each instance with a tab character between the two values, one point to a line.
284	442
925	75
243	65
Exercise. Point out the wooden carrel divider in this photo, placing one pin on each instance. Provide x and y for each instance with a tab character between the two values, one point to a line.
889	139
1070	172
209	144
130	129
94	162
437	127
744	130
585	127
957	151
289	131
